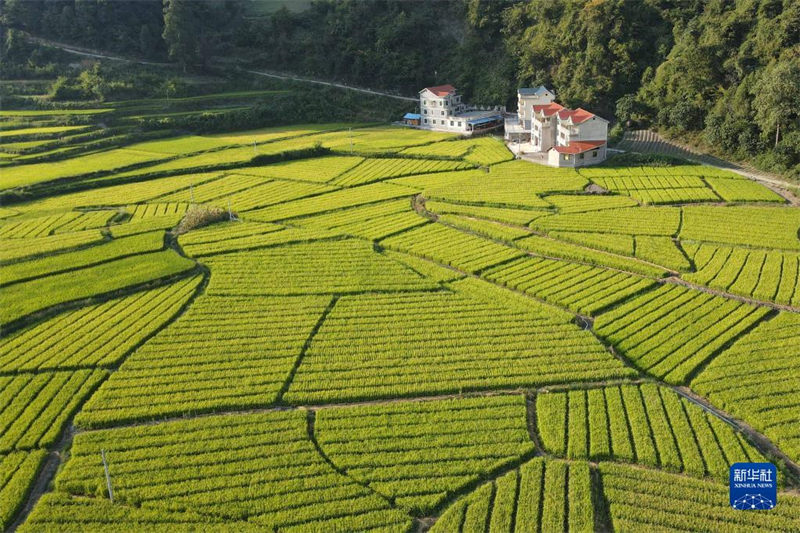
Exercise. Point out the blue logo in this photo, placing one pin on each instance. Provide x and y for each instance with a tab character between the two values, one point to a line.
753	486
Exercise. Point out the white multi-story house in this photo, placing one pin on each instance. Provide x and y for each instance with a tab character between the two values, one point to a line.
518	127
567	137
441	109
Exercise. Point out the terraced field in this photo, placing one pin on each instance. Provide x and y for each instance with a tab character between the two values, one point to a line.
385	329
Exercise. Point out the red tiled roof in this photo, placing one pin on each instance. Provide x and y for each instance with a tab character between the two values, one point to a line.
441	90
548	109
577	147
578	115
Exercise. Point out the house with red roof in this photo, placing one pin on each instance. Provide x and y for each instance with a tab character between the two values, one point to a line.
567	137
441	109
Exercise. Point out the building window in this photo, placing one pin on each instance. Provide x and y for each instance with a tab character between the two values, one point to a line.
442	113
566	157
425	111
594	154
459	124
451	122
426	121
581	156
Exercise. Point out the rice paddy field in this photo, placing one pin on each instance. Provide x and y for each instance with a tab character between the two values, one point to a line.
385	329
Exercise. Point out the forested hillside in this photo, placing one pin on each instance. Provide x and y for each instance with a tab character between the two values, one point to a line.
725	73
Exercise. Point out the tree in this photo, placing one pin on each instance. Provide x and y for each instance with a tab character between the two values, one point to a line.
182	31
777	96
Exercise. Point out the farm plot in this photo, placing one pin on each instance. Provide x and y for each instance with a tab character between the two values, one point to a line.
355	215
378	169
581	288
543	494
324	267
581	203
17	473
265	239
105	251
16	249
28	297
97	335
488	151
87	220
756	380
119	195
776	227
331	201
394	345
549	247
145	225
742	190
424	267
610	242
318	169
486	228
452	247
628	221
271	193
768	275
420	454
36	227
224	353
683	195
662	251
671	331
213	189
35	407
508	215
645	424
455	149
514	184
382	139
257	467
648	500
108	161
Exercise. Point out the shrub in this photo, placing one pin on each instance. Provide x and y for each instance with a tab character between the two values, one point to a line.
200	216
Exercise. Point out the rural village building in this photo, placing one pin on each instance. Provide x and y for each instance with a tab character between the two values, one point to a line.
441	109
568	137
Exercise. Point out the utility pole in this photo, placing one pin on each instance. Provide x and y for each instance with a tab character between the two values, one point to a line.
108	476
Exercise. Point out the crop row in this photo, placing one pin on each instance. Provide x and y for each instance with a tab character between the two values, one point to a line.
17	474
222	353
646	424
773	227
542	495
331	201
211	190
424	267
582	288
672	330
357	214
27	297
648	500
258	467
105	251
452	247
15	249
421	453
769	275
35	407
628	220
675	170
100	334
323	267
742	190
377	346
375	169
271	193
756	380
161	209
